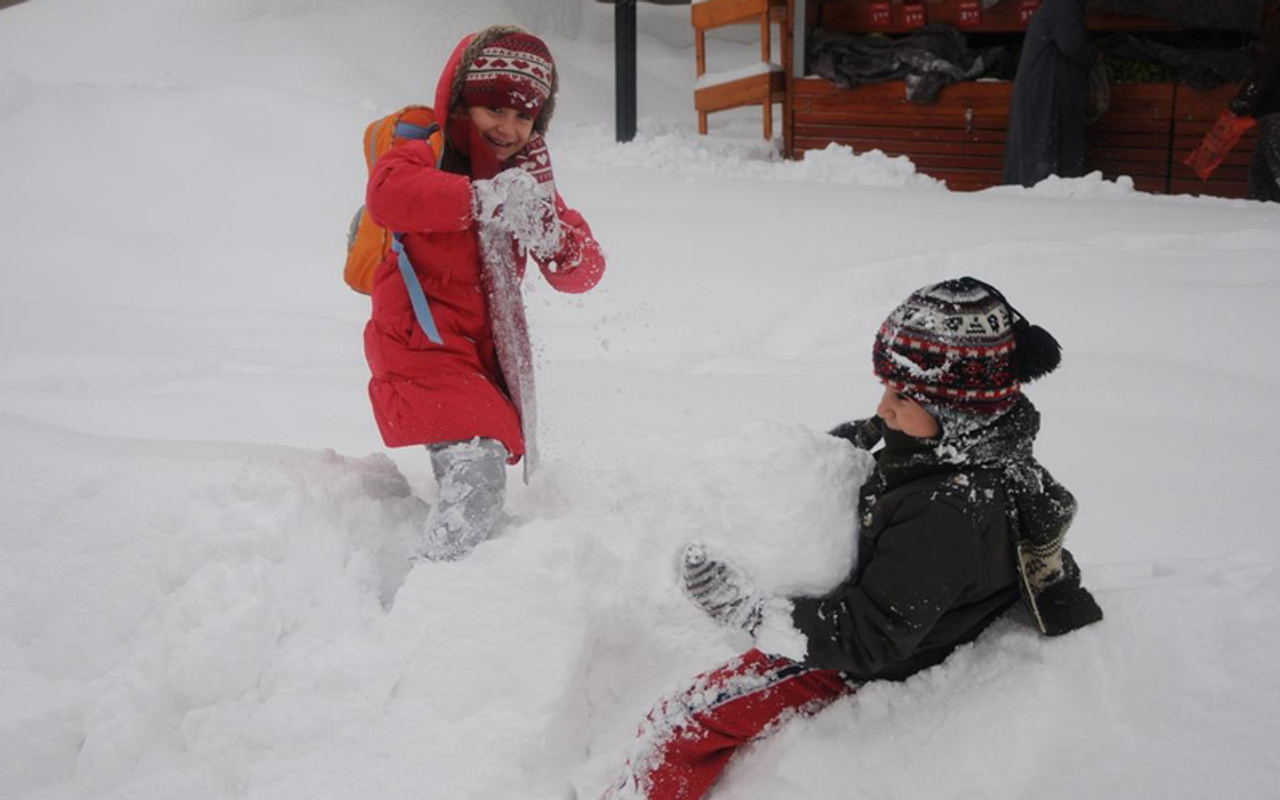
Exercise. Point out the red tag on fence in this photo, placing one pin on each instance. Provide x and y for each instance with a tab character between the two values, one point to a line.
881	15
970	13
913	15
1026	10
1224	135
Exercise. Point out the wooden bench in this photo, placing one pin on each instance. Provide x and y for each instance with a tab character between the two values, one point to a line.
1147	132
764	86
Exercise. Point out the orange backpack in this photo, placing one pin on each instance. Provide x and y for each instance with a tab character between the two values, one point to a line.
367	241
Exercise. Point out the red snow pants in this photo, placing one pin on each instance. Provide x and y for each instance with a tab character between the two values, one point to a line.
688	739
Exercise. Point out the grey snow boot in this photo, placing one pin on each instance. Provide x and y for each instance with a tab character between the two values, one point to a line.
473	479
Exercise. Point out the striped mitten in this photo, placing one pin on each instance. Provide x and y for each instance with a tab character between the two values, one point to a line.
720	589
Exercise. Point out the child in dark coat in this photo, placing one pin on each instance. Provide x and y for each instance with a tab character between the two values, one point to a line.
959	522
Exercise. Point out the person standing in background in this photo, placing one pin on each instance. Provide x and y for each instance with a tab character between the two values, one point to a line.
1259	97
1050	93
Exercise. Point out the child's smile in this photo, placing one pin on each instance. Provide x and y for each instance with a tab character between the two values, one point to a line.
505	130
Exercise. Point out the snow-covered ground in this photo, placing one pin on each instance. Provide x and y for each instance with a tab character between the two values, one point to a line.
203	591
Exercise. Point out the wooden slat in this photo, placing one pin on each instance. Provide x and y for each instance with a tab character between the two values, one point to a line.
1130	154
715	13
953	121
978	94
1122	138
899	132
1135	169
1118	124
905	137
1226	172
912	148
1240	157
742	92
1143	184
927	162
1236	189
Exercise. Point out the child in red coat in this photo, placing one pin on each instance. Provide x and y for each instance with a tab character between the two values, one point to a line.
452	368
959	522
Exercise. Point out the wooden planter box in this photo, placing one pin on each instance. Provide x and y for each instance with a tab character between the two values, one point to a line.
960	139
1146	134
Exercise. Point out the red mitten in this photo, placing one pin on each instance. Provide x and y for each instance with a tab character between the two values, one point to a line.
535	159
1223	136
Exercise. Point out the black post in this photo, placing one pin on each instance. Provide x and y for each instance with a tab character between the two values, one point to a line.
624	44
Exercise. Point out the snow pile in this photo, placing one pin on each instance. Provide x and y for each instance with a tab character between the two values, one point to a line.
674	150
232	612
1090	187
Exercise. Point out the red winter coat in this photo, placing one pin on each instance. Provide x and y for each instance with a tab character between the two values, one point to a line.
425	393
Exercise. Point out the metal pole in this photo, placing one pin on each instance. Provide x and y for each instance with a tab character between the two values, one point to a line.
799	38
624	36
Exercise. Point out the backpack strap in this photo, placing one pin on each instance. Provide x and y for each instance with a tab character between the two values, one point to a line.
421	309
417	297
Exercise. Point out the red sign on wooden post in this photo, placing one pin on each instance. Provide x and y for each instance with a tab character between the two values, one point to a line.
913	15
970	14
1026	10
881	15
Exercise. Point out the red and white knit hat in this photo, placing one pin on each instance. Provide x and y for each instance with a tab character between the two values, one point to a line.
514	71
956	345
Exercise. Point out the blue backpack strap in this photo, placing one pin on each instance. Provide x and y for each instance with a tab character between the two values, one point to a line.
417	297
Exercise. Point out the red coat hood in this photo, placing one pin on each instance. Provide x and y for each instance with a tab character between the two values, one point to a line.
444	87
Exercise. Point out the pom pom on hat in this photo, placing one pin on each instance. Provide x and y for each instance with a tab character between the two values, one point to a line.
1036	353
959	345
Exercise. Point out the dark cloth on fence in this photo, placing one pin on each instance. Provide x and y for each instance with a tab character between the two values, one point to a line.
1199	69
929	59
1233	15
1050	92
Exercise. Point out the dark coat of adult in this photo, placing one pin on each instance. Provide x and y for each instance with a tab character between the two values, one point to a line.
1047	118
936	566
1259	95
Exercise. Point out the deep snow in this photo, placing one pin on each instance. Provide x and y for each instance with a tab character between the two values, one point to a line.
203	591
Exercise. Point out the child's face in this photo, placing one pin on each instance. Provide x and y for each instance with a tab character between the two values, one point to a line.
506	130
901	413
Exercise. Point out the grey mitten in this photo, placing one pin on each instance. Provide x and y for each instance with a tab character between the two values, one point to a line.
720	589
863	434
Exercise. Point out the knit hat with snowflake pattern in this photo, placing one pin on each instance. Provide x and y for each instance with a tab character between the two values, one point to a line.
959	345
513	71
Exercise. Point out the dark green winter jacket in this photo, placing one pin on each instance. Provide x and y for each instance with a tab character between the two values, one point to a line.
935	566
954	530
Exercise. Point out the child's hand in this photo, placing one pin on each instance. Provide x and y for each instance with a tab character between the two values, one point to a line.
515	201
720	589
